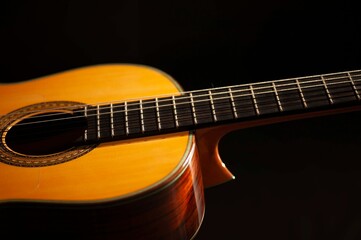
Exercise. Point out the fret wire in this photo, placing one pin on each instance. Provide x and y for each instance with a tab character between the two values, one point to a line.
86	110
126	118
284	90
311	86
158	114
111	120
256	94
98	122
353	86
141	115
327	91
277	97
299	89
212	106
316	98
232	103
281	80
288	89
268	87
170	118
175	112
334	98
193	108
254	99
301	93
86	116
258	88
171	115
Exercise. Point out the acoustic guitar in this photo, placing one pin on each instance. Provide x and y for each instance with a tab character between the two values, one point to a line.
121	152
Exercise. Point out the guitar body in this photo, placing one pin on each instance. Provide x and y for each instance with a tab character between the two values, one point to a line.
105	152
144	188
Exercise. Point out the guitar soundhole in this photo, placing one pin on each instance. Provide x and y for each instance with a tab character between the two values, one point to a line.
45	134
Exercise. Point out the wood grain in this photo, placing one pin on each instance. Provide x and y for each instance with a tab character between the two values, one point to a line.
174	211
137	189
112	170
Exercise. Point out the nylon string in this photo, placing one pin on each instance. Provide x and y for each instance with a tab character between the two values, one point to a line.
214	96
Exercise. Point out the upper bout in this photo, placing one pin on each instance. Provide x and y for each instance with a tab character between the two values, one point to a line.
91	85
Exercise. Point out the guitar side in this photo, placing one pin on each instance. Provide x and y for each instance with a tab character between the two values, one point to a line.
143	188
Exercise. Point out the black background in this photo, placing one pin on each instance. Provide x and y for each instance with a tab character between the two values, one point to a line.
296	180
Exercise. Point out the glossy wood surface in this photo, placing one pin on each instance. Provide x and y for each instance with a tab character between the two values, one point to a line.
110	171
173	211
148	188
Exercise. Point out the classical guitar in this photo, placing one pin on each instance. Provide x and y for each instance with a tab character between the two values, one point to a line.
121	152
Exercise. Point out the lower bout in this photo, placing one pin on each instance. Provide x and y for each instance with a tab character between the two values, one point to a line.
173	211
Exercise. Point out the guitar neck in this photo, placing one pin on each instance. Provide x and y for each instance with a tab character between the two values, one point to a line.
210	107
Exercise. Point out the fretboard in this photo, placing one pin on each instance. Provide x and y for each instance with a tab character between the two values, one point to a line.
209	107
